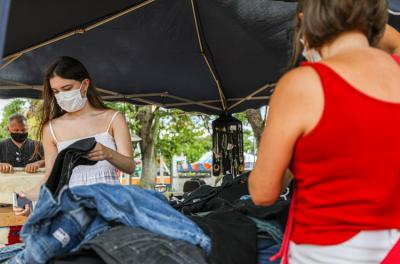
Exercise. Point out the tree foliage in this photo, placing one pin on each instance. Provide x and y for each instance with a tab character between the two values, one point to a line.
183	133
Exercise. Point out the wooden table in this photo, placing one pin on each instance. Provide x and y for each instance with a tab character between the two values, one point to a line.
8	218
17	182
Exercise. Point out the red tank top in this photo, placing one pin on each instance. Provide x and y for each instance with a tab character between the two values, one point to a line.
347	169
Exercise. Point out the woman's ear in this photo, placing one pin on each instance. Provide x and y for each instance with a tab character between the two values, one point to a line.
87	82
301	16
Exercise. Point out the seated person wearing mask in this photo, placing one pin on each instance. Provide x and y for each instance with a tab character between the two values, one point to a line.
19	150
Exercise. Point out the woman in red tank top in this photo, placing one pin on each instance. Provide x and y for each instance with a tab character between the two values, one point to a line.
335	123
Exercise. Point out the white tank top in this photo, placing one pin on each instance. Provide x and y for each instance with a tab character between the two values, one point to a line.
103	171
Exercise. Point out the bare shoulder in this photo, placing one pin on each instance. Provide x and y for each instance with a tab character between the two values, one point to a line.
47	134
118	121
297	83
116	114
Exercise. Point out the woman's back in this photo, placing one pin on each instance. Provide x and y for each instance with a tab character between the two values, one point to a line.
346	165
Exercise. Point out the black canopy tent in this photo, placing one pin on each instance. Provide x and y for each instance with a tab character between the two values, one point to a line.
209	56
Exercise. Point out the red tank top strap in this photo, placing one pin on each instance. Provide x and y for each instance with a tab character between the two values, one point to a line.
396	58
283	253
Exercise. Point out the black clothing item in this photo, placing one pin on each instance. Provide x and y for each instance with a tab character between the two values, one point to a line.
229	191
79	257
193	184
19	137
279	211
66	161
20	157
233	236
126	245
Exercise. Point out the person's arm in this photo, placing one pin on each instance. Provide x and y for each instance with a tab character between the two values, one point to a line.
286	122
35	166
390	42
122	159
50	154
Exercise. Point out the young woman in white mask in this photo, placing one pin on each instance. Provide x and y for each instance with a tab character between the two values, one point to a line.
72	111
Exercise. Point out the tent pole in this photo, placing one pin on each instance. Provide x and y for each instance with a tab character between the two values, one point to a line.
78	31
216	101
192	102
22	87
211	69
267	86
10	60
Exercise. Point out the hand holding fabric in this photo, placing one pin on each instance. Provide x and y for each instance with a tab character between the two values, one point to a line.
100	152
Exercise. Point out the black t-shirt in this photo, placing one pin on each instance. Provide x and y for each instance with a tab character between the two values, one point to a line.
20	157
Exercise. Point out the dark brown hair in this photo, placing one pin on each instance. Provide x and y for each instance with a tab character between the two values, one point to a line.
324	20
67	68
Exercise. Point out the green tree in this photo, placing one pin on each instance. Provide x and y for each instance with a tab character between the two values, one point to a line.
183	133
13	107
33	115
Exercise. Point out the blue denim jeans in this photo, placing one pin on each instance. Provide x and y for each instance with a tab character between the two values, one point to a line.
10	251
62	224
269	239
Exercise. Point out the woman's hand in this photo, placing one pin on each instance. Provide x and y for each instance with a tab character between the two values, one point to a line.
22	211
99	153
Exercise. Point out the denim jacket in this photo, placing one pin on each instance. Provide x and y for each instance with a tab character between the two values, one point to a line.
61	224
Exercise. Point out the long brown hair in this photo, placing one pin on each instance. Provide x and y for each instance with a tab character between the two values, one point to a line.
67	68
324	20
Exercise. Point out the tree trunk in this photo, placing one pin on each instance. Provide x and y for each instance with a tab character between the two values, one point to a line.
257	123
149	122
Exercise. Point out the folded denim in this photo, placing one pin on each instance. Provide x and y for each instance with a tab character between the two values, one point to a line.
62	224
125	245
8	252
265	250
269	239
268	229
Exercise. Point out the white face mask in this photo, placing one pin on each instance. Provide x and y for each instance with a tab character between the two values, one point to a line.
311	55
71	101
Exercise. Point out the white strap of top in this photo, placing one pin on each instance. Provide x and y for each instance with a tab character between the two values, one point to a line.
112	119
52	132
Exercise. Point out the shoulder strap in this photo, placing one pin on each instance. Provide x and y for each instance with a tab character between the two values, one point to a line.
112	119
52	132
396	58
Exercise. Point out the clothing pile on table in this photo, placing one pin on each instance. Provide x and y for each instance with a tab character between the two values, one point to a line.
240	231
103	223
79	220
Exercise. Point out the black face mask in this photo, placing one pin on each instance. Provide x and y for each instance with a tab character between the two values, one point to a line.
19	137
